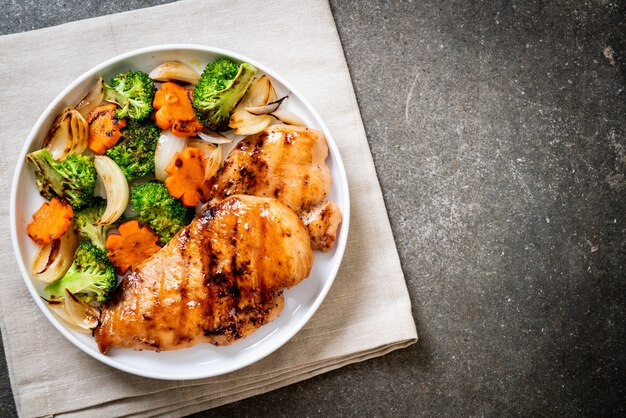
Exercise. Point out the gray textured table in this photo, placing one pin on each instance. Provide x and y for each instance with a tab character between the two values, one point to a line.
498	133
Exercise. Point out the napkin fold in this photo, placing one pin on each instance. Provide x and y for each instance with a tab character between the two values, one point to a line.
367	312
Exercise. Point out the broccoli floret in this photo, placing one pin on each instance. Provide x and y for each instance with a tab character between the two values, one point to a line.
222	85
73	179
133	92
84	223
156	207
134	152
91	277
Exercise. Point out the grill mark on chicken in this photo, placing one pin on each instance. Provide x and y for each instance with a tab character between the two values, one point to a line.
233	291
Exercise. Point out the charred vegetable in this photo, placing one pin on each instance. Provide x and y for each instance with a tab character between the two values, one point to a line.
133	92
91	276
173	104
85	223
104	128
73	179
67	134
134	153
164	214
115	186
131	246
50	221
186	177
222	85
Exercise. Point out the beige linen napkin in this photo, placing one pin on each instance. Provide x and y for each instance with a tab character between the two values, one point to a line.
367	312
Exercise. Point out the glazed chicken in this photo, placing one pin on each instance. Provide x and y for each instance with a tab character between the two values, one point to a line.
218	280
287	163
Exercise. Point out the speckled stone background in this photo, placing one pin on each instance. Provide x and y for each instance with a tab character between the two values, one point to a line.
498	133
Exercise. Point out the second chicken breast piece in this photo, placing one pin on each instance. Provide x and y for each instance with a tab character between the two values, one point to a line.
283	162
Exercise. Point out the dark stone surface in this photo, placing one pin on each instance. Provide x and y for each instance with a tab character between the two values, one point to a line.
498	133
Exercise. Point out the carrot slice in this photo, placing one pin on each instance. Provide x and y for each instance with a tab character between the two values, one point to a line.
50	221
174	110
186	176
131	246
104	128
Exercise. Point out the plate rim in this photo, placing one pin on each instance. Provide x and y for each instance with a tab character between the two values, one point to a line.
340	243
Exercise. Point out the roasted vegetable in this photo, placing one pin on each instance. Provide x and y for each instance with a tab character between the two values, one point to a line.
50	221
78	315
186	177
85	223
258	95
134	153
157	208
174	70
222	85
67	134
173	104
91	276
104	128
131	246
54	259
92	99
73	179
167	146
133	92
115	187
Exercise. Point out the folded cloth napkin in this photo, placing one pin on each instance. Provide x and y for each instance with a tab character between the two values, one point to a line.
367	312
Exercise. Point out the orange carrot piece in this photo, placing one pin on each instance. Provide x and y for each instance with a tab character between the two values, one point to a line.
186	177
104	128
131	246
174	110
50	221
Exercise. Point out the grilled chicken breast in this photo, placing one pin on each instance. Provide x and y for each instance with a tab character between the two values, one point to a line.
287	163
284	162
216	281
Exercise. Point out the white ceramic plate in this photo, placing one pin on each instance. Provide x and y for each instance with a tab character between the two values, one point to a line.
203	360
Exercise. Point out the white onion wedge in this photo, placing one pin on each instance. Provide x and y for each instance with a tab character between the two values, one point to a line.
256	125
83	315
263	110
212	154
272	94
54	259
174	70
57	307
116	188
92	99
168	145
68	134
243	122
214	138
290	118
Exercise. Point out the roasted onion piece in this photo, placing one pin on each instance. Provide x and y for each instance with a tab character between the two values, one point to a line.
54	259
68	134
174	70
116	188
168	145
92	99
243	122
287	117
